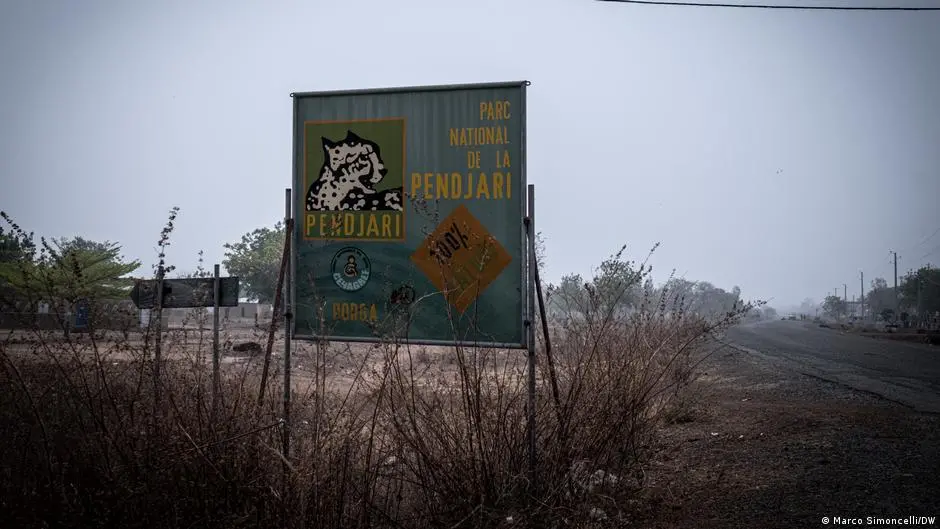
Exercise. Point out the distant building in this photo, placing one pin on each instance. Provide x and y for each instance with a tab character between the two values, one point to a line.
245	312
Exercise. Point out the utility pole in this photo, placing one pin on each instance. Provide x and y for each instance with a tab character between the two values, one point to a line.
845	298
897	304
920	306
861	283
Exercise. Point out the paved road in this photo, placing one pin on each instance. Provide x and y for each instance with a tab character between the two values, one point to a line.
902	372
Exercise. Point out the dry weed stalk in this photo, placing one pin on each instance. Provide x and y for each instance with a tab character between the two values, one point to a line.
416	438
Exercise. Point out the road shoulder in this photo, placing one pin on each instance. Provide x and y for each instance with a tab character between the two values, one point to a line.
757	444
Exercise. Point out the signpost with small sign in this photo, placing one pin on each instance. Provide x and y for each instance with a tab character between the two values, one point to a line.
188	293
185	293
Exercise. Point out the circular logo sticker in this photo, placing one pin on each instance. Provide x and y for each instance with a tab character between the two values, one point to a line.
351	269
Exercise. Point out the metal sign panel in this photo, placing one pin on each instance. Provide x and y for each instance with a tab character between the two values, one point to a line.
186	293
409	206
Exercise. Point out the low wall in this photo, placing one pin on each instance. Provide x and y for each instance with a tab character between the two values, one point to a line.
116	321
30	320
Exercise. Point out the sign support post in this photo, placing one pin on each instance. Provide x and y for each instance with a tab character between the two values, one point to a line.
216	360
158	338
530	335
161	293
287	333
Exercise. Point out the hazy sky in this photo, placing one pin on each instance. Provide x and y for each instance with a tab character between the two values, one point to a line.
779	151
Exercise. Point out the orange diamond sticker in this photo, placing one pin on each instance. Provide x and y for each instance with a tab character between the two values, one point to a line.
461	258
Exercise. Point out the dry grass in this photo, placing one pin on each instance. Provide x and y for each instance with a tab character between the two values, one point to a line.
383	436
96	434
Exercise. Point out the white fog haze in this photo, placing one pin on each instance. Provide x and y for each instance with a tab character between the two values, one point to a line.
778	151
276	264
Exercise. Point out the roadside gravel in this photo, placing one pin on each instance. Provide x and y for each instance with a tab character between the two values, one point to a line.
759	446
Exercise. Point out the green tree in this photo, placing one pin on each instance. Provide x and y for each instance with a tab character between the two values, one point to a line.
63	270
678	294
919	291
756	313
256	260
699	297
17	249
14	248
617	284
568	298
95	272
710	301
808	306
80	244
880	296
834	306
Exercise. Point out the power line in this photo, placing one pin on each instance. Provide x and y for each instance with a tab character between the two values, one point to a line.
931	252
767	6
878	271
927	238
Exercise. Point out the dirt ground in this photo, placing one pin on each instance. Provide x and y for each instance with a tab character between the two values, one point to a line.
753	446
768	448
758	446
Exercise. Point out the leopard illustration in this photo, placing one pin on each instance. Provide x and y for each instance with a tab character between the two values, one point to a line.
351	169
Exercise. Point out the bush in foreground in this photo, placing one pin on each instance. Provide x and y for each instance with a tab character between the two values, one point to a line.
385	436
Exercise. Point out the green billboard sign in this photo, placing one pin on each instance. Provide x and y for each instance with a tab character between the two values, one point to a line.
409	207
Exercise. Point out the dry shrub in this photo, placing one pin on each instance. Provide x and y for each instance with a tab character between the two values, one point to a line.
89	447
404	446
416	439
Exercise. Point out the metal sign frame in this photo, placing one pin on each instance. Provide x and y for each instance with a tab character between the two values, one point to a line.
526	287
